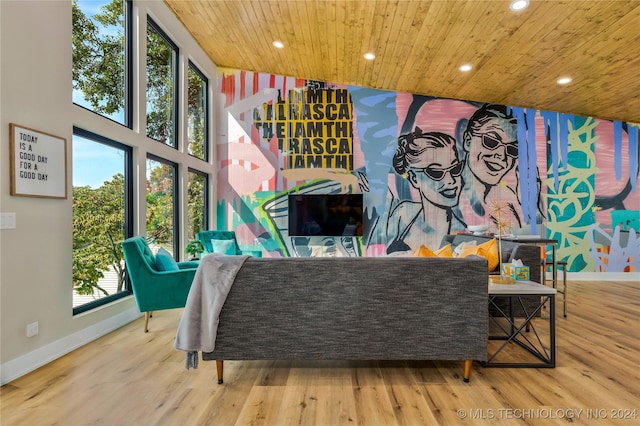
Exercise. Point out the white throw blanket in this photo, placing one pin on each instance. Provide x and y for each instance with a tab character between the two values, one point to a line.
199	323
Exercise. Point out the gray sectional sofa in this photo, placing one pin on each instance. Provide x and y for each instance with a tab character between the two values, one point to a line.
365	308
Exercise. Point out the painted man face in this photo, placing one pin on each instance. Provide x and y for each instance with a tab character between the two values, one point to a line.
492	150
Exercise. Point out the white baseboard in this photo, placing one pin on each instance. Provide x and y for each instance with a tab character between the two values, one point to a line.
599	276
604	276
24	364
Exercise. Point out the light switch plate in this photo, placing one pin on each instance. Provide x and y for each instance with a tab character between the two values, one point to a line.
7	221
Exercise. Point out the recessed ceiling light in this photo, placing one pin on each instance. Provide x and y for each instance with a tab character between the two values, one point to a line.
564	80
519	5
465	67
369	56
278	44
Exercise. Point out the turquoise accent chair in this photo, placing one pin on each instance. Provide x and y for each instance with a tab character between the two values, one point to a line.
205	238
155	289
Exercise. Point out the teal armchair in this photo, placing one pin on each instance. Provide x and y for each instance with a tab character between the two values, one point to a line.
225	243
158	281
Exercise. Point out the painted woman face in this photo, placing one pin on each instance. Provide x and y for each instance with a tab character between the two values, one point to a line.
492	150
440	182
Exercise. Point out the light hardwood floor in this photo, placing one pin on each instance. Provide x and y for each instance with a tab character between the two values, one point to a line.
132	378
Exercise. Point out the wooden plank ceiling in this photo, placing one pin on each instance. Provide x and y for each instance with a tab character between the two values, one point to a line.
419	45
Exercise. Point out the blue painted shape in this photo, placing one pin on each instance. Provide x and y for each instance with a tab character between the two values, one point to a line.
617	148
532	189
632	131
564	139
551	123
523	157
377	127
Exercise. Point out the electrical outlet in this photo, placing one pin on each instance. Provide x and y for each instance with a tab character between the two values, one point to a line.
33	329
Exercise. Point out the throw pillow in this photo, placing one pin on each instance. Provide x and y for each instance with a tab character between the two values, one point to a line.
165	261
488	250
226	247
424	251
491	253
445	251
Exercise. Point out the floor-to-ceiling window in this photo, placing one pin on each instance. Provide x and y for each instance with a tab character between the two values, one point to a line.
102	167
102	217
117	165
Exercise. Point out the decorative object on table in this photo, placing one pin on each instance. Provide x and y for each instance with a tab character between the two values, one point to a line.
499	279
502	223
193	249
515	270
478	229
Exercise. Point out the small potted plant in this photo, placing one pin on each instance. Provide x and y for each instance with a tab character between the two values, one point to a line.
194	248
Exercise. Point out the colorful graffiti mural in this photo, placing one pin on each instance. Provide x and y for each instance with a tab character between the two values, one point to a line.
427	167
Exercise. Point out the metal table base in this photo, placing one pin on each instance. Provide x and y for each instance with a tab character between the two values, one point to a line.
522	331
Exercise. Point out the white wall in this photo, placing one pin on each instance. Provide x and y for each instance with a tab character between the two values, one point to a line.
35	257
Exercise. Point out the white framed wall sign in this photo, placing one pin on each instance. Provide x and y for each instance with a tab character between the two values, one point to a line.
38	163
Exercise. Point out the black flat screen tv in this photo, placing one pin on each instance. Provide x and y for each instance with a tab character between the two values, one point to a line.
326	215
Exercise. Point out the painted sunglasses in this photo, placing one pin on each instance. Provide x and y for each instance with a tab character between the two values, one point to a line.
493	143
437	173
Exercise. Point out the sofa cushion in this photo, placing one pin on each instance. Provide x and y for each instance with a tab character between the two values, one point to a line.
165	261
